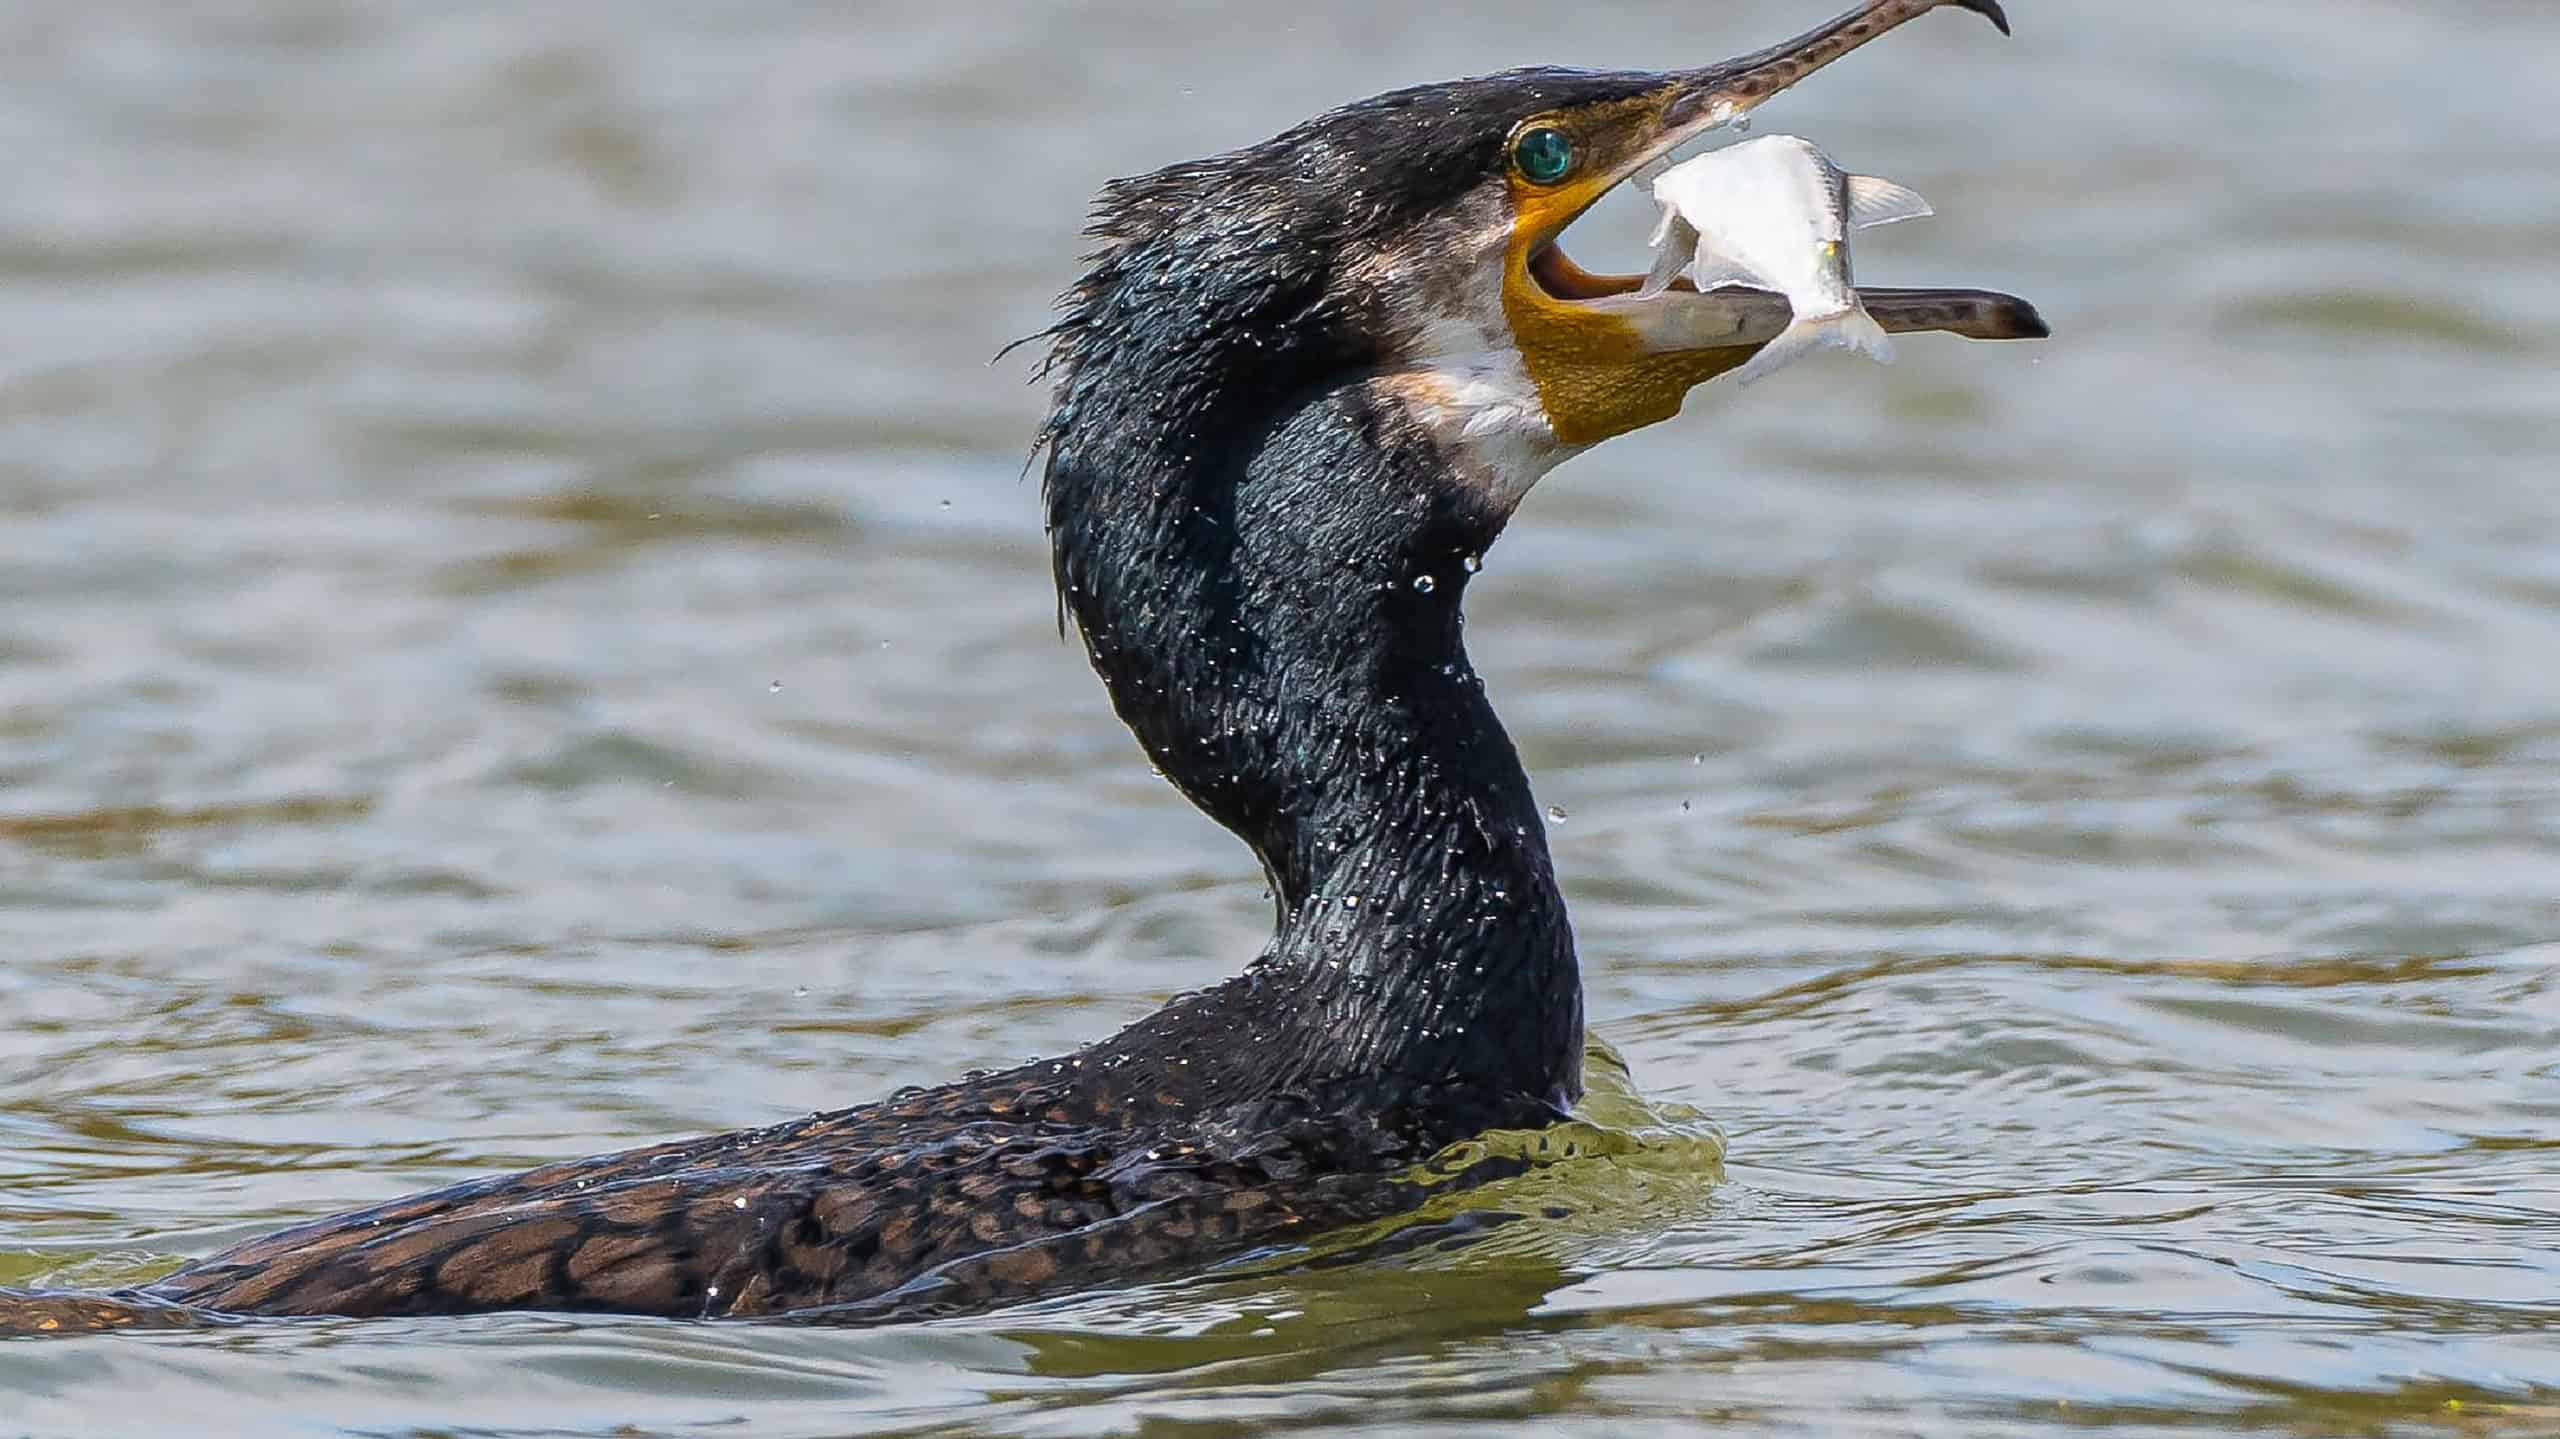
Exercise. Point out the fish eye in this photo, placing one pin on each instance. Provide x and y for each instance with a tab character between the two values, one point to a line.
1542	155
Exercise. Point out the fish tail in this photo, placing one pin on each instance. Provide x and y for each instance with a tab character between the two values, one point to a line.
1851	329
1858	330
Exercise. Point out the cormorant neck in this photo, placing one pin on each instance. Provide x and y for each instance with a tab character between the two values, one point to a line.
1278	619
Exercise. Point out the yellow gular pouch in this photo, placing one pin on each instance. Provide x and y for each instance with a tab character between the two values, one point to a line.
1596	374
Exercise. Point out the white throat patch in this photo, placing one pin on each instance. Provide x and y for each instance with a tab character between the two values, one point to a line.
1457	373
1483	411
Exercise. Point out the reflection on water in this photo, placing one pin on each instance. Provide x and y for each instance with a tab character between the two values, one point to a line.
522	632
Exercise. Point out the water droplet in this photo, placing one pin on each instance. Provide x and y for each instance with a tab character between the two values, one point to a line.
1424	584
1684	806
1472	563
884	644
800	992
774	688
738	1203
1351	901
1697	759
1556	814
946	504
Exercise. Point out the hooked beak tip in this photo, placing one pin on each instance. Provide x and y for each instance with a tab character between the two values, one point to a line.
1989	10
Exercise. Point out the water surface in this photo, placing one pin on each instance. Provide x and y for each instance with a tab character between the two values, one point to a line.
522	633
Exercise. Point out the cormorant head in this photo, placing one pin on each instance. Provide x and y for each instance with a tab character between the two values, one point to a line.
1409	241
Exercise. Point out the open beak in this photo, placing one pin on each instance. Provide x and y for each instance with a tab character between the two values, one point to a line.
1608	359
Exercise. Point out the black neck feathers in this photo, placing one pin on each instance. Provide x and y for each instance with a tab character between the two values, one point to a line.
1266	559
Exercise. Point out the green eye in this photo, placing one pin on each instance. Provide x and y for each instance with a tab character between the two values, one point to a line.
1544	155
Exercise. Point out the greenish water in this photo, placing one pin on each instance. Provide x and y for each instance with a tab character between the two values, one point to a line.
521	633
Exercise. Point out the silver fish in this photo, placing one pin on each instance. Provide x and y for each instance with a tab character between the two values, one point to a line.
1776	213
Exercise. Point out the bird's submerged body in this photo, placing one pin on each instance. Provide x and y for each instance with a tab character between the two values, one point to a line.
941	1199
1298	393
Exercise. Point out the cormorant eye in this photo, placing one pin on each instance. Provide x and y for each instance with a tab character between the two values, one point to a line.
1543	155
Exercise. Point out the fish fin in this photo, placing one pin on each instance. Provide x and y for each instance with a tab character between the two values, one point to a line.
1874	201
1857	330
1667	265
1851	329
1675	241
1714	270
1790	346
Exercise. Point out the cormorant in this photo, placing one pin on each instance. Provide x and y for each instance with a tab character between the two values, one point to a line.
1298	393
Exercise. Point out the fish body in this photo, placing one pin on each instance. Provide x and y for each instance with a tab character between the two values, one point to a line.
1776	213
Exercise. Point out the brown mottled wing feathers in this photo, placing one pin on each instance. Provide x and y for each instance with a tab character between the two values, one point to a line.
964	1196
